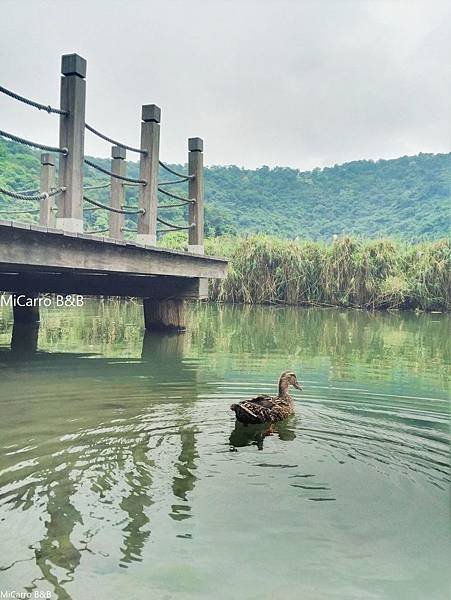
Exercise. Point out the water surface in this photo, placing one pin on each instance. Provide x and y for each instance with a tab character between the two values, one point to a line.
123	476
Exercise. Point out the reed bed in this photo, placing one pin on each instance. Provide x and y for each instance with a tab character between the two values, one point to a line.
350	272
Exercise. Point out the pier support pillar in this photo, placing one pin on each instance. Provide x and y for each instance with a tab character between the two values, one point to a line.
24	340
165	314
25	308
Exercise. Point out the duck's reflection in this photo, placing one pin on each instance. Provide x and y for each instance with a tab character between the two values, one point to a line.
255	435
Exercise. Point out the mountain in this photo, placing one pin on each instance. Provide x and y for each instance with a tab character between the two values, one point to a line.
406	198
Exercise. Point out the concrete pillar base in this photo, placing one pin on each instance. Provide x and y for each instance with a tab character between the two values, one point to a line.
25	308
165	315
24	340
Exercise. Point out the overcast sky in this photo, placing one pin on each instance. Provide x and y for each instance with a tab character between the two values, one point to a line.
290	82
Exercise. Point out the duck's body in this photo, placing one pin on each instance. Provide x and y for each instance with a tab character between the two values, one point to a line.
268	409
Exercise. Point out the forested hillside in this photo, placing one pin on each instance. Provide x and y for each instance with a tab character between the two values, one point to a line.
406	198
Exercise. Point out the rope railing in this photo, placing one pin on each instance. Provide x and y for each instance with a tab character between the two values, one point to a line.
31	211
42	196
35	191
177	197
108	139
96	187
111	174
175	227
162	206
38	105
166	229
175	181
169	170
20	140
115	210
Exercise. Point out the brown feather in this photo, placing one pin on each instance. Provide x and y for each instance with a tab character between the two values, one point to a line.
267	409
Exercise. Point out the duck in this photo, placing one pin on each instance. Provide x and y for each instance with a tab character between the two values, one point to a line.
268	409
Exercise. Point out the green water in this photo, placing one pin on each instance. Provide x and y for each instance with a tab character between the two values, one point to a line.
122	475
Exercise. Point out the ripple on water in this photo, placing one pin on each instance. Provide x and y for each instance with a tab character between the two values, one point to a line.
124	465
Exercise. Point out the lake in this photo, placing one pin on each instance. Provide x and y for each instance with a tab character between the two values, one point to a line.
123	475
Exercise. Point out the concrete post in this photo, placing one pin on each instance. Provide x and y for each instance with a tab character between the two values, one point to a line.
47	215
26	308
196	191
149	169
24	339
165	315
118	167
72	136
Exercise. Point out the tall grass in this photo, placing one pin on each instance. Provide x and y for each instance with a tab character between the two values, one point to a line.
351	272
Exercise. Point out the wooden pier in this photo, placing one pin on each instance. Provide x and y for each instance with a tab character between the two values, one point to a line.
57	256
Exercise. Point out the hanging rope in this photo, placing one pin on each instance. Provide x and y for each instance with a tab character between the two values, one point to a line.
42	196
115	210
175	181
174	226
21	212
102	170
96	187
187	200
169	170
172	205
165	229
108	139
37	105
35	191
15	138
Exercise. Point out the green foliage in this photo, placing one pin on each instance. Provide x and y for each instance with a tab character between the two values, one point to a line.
407	198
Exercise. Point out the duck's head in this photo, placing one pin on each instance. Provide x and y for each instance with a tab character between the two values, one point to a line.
288	378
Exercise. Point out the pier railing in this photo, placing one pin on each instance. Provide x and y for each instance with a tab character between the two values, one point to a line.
64	199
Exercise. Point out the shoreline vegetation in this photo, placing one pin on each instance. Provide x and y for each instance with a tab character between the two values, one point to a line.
350	272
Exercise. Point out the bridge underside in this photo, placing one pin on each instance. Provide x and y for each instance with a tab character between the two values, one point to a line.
35	259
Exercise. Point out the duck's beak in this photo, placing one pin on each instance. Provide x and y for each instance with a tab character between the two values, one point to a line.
297	385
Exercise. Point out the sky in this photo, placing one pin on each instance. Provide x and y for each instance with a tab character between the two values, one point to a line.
298	83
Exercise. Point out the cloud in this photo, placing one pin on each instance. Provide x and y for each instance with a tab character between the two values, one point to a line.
293	83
